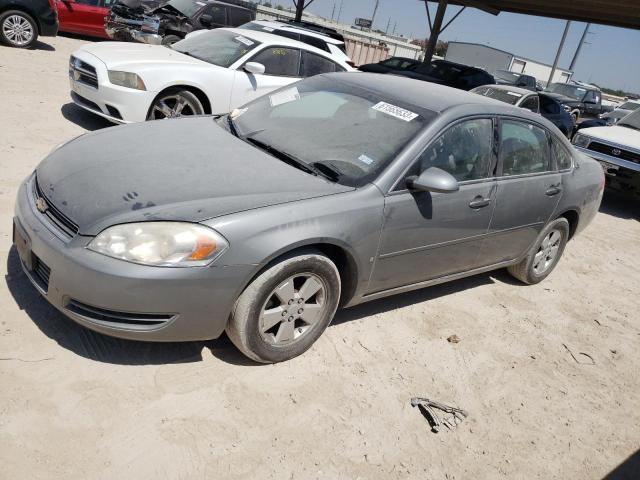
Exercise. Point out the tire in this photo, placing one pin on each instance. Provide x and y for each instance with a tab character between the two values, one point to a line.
18	29
170	39
529	271
277	336
576	117
175	103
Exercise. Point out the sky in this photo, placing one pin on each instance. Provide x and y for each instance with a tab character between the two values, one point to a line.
612	59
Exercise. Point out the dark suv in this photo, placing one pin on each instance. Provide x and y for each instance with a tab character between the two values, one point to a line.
21	21
167	22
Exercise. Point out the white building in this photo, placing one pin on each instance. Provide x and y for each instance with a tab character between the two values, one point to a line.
492	59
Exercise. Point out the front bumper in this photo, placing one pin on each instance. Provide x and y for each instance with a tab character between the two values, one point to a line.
150	38
119	298
620	174
115	103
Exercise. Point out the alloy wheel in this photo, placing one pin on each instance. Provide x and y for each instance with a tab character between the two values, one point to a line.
547	252
292	309
18	30
172	106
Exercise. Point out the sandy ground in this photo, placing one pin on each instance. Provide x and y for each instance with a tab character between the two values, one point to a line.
75	404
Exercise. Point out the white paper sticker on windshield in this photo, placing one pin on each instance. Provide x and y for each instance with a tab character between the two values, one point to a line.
285	96
236	112
268	29
365	159
395	111
244	40
514	94
202	4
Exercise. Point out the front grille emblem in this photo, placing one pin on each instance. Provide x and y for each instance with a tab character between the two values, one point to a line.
41	205
616	151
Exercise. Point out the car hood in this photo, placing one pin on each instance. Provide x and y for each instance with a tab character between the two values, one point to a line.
622	136
121	54
186	169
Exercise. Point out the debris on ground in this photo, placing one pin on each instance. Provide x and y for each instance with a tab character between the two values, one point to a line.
453	339
427	408
591	359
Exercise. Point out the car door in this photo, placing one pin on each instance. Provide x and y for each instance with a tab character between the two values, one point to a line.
82	16
428	235
528	190
282	67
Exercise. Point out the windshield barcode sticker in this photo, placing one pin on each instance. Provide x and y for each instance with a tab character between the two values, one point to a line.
514	94
285	96
395	111
365	159
244	40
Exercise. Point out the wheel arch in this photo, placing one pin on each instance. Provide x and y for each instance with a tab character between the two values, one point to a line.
573	217
198	92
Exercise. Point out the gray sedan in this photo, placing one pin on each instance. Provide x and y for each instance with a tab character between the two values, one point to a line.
336	190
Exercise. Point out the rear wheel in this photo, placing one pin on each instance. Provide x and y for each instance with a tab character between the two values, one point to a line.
286	308
170	39
18	29
175	103
545	253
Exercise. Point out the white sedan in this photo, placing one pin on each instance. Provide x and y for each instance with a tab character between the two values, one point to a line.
209	72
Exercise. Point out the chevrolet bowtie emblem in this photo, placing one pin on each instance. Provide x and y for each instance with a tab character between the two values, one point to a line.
41	205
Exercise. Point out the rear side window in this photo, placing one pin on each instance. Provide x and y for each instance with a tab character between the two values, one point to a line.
562	156
313	64
279	61
524	148
238	16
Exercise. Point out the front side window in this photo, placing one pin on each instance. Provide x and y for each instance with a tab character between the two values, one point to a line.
348	132
279	61
464	150
218	47
562	156
313	64
523	148
238	16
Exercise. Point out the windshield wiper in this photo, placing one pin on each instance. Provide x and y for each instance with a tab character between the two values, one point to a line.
232	127
287	158
329	171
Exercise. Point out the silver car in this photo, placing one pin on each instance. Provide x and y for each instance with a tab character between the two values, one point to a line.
336	190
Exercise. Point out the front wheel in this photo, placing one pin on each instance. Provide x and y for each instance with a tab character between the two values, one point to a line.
18	29
175	103
545	253
170	39
286	308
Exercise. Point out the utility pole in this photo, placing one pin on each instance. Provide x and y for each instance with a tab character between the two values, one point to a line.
395	24
373	17
575	55
386	30
555	62
333	10
339	12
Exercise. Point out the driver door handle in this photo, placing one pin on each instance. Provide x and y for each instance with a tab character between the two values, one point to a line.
553	190
479	202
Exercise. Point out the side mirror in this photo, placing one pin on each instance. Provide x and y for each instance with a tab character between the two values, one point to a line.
433	179
254	67
206	20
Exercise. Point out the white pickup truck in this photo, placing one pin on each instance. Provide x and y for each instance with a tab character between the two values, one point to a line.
617	148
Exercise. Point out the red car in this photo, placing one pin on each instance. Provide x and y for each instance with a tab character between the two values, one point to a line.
84	17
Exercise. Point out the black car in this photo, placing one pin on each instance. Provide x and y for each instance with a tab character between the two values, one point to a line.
390	65
450	74
582	100
505	77
166	22
21	21
537	102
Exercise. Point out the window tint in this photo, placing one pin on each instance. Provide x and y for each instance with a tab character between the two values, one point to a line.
238	16
313	64
549	106
314	42
562	156
217	14
284	62
524	148
531	103
464	150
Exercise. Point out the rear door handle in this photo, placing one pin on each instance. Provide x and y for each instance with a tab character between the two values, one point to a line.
553	190
479	202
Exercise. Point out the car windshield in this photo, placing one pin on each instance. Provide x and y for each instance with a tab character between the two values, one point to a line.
340	130
219	47
572	91
631	121
499	94
187	7
631	106
506	76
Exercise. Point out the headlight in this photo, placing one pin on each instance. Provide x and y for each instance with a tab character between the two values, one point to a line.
162	244
126	79
580	140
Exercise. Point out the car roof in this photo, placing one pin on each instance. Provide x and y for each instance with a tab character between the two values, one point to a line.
509	88
429	96
293	28
266	37
459	65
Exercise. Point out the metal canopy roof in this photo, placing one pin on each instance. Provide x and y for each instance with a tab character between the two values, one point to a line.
617	13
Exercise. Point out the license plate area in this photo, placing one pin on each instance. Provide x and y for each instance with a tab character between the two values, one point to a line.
23	245
609	168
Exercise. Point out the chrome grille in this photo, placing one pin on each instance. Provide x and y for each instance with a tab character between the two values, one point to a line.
55	216
614	151
82	72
